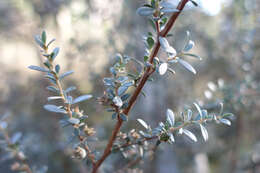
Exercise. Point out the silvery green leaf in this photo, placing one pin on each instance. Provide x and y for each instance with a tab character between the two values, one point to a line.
69	100
198	108
193	55
15	138
3	124
72	88
190	135
54	98
122	78
51	42
194	3
66	74
54	108
117	101
123	117
129	83
57	68
44	37
187	66
145	11
108	81
37	68
114	116
146	135
171	138
143	123
204	113
121	90
169	10
163	68
170	117
204	132
189	115
180	131
74	120
166	4
82	98
225	121
55	53
164	43
38	40
125	97
221	108
227	115
189	46
171	71
171	52
52	88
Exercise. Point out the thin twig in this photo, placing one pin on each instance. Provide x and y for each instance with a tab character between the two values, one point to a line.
140	86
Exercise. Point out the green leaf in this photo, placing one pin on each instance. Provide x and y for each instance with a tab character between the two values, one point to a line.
54	53
54	108
44	37
51	42
150	42
194	3
37	68
187	66
146	58
81	98
226	115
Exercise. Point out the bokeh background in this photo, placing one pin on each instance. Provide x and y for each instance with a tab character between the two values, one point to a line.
90	33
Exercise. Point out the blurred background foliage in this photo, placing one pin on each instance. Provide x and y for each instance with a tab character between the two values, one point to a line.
89	33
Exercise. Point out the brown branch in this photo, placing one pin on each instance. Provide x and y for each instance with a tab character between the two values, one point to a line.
140	86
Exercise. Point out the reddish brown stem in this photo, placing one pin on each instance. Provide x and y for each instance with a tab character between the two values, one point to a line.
140	86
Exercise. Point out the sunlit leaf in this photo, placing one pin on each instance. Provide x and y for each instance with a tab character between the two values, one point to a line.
163	68
170	117
225	121
187	66
204	132
82	98
190	135
117	101
143	123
